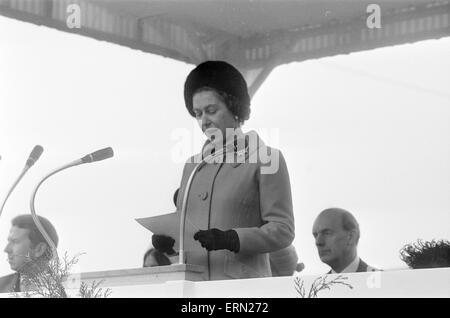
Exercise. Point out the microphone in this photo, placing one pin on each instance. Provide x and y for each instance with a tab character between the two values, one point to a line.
34	156
98	155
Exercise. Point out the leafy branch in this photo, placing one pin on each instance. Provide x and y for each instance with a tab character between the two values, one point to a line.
47	278
93	290
319	284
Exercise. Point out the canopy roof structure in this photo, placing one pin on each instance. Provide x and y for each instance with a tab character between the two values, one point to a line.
254	35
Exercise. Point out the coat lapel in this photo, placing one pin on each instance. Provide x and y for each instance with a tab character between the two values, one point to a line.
362	267
235	152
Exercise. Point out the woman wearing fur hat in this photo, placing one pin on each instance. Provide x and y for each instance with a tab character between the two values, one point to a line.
240	196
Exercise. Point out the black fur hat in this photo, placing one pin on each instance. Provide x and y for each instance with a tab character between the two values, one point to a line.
220	76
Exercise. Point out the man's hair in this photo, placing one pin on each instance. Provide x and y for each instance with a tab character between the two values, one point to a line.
424	254
349	222
25	221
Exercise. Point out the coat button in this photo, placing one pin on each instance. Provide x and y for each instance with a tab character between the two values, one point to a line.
203	195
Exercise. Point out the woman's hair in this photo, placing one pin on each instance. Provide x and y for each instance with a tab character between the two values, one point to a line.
423	254
160	258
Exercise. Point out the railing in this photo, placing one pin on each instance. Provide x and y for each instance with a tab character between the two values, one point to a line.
398	283
179	281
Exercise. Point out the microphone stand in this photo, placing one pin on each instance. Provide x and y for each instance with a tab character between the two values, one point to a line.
185	198
33	211
34	156
13	187
98	155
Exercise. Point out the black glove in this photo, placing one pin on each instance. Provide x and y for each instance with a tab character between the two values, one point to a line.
163	243
216	239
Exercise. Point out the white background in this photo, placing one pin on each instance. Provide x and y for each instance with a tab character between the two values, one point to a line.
368	132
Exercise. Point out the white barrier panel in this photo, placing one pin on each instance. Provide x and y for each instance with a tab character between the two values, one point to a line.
404	283
407	283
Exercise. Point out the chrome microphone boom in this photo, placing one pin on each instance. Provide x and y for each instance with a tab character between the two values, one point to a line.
95	156
34	156
185	198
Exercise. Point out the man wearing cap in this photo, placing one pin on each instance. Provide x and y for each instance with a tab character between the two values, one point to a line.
240	196
25	247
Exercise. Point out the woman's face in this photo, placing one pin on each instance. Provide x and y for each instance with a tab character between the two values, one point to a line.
212	113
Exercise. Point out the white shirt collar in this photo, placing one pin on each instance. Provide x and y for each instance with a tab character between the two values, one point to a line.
351	268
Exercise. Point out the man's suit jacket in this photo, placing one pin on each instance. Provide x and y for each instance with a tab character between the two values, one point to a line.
10	283
362	267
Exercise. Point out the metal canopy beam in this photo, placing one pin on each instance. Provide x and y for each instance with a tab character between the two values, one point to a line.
159	28
406	25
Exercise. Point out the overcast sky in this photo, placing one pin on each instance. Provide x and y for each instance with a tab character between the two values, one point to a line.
368	132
